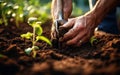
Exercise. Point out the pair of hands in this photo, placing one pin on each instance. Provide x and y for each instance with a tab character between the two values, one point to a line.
80	28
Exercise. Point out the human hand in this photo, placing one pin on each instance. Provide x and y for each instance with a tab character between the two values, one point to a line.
80	30
67	9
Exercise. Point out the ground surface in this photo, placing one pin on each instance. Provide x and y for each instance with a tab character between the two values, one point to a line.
101	58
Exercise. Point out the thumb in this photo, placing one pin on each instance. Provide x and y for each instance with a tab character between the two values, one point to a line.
68	24
65	28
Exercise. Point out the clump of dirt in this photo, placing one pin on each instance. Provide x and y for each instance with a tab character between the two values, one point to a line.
101	58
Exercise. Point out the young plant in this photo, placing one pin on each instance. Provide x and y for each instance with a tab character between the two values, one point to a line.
93	40
35	36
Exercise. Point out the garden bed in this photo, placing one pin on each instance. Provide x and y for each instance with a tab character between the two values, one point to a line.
101	58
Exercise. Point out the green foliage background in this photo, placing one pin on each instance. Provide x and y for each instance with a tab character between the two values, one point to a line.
21	10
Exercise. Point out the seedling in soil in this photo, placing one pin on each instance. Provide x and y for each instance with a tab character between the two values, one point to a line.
93	40
35	36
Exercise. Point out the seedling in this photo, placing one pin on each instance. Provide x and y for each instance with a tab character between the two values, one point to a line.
35	36
93	40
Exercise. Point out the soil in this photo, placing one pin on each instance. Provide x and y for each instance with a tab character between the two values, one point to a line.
103	57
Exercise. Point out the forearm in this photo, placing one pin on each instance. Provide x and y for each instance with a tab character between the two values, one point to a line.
101	8
67	8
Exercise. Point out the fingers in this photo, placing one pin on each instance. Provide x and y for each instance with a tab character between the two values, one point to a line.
67	27
53	32
78	34
69	35
68	24
78	27
76	39
86	37
82	41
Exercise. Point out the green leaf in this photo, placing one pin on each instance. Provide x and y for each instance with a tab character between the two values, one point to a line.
35	47
43	38
28	35
28	51
38	29
32	20
92	40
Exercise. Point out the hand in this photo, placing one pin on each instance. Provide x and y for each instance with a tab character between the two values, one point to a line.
67	9
80	30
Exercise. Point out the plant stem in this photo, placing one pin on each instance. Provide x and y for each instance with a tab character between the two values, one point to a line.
33	46
33	41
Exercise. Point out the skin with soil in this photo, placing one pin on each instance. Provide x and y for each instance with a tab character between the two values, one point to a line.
103	57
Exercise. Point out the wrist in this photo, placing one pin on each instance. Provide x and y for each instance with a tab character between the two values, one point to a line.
101	8
91	19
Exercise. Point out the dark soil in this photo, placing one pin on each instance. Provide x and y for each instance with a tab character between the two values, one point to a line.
101	58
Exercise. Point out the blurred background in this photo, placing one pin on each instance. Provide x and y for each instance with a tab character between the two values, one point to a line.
21	10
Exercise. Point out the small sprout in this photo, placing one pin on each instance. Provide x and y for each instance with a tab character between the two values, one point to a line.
93	40
35	36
